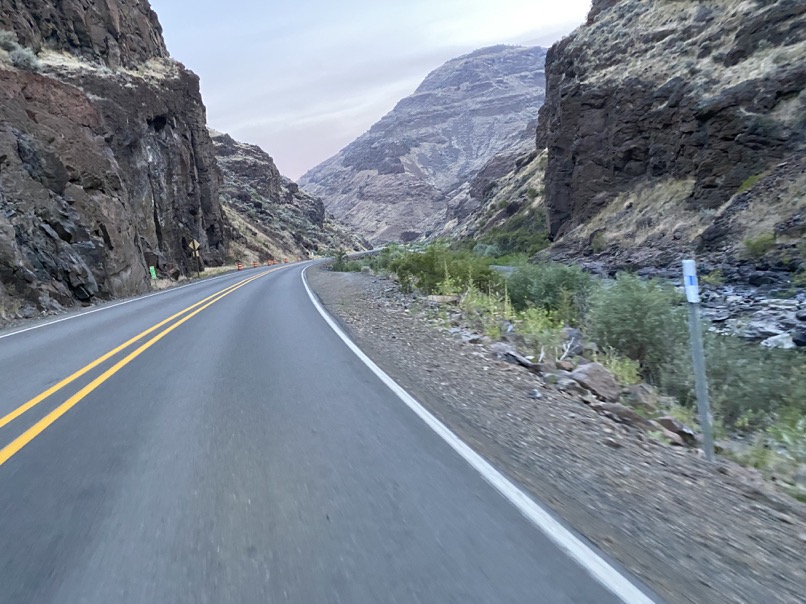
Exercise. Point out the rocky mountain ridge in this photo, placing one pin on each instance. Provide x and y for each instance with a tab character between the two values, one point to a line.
106	166
272	218
396	180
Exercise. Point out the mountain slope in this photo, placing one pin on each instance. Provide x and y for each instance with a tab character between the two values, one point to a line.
394	180
271	217
106	166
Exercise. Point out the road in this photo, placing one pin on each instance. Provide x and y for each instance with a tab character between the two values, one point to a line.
241	452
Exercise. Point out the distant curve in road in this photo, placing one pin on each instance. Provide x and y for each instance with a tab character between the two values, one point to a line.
220	443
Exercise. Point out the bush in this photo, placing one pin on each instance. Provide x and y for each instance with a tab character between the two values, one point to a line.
641	320
747	385
24	58
436	267
756	247
553	287
8	40
525	232
749	183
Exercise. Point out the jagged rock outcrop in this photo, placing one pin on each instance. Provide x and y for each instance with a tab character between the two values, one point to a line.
681	105
396	181
271	217
106	166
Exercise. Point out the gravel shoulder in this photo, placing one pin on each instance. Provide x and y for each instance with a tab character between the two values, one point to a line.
694	532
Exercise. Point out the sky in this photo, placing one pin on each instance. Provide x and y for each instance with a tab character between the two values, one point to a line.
304	78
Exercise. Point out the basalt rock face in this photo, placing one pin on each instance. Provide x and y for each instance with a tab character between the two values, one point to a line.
106	165
272	217
652	91
114	32
396	180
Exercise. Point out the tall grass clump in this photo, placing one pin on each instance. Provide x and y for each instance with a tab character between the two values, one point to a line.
554	287
641	320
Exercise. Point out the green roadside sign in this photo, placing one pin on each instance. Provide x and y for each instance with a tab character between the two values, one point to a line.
153	272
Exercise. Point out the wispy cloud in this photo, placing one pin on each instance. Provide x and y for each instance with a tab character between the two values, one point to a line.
303	79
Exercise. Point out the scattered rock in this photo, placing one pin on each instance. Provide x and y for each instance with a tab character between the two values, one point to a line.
535	394
678	428
760	329
596	378
783	341
444	299
508	353
801	315
571	386
642	396
565	365
612	442
799	338
623	414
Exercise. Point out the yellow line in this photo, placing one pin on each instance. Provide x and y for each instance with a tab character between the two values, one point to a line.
68	380
26	437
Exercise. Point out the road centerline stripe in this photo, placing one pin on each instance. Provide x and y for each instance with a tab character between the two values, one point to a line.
8	418
31	433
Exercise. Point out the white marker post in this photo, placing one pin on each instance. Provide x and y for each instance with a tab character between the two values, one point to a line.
698	355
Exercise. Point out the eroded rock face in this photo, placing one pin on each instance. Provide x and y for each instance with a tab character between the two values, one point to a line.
668	90
394	181
275	217
113	32
103	172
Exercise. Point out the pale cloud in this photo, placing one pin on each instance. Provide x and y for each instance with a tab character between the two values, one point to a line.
303	79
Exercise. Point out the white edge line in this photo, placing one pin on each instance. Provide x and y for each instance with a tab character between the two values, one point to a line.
569	543
110	306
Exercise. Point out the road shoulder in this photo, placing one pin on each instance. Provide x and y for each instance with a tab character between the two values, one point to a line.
693	532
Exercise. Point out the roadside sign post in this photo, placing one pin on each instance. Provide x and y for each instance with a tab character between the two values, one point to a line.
698	355
194	246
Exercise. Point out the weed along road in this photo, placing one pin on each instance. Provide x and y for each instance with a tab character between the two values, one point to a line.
222	443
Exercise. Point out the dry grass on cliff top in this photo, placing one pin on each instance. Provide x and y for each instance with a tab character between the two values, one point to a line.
155	69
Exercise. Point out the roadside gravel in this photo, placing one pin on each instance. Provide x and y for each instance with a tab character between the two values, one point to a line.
695	532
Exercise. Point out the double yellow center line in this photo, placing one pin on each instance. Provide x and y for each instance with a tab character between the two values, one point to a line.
26	437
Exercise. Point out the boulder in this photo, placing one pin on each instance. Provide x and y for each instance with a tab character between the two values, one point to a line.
596	378
642	396
624	415
783	341
799	338
678	428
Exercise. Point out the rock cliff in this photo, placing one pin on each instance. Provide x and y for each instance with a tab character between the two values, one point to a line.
677	126
271	217
106	165
397	180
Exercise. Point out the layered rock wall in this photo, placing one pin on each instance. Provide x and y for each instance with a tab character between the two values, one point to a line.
657	90
106	165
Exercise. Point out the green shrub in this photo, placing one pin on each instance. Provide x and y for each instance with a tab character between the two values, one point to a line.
747	385
524	232
627	371
756	247
431	269
25	59
542	329
552	286
532	193
641	320
714	278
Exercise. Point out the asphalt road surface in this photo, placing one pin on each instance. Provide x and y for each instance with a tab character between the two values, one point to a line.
241	452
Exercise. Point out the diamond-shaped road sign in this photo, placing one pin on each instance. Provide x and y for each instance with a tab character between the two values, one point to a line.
194	245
